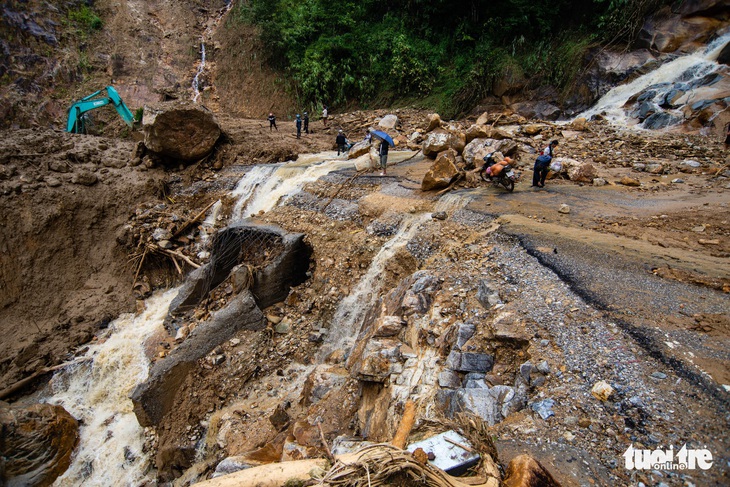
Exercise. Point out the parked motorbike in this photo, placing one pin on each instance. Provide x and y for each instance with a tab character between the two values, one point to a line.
506	178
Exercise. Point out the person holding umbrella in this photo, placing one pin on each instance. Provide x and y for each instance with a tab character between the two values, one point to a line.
385	143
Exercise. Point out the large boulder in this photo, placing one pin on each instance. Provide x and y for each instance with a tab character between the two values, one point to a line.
360	148
180	130
277	260
666	32
582	172
477	132
37	443
154	398
436	142
388	122
442	172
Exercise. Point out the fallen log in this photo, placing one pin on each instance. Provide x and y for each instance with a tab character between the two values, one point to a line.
406	425
22	383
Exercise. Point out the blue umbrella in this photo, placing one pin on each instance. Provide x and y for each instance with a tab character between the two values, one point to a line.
383	136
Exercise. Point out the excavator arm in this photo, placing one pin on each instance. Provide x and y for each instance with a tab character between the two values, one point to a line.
75	122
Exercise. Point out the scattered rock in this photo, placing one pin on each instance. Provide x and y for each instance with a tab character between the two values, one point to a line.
629	181
602	390
565	209
389	122
180	130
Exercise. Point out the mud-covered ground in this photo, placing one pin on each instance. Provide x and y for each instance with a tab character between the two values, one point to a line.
630	286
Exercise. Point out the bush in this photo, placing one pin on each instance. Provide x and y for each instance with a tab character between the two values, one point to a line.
85	17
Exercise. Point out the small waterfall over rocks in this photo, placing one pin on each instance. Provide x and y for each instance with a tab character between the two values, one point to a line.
691	87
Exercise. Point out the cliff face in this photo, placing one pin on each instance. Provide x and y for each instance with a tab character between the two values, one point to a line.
149	51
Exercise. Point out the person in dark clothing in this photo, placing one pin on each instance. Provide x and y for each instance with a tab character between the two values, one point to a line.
383	151
542	165
341	142
306	123
299	126
727	136
272	122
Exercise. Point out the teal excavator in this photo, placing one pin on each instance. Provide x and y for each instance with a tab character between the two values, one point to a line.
76	119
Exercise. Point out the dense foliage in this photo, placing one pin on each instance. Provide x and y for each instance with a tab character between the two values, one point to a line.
443	51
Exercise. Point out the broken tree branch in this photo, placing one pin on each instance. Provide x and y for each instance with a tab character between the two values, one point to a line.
192	222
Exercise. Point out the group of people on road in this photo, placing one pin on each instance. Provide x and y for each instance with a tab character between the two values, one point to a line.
300	122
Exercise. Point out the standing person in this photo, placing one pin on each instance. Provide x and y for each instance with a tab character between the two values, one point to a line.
272	122
324	115
383	151
341	142
299	126
542	164
306	122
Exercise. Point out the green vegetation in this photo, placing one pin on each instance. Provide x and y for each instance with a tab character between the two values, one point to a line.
85	18
448	53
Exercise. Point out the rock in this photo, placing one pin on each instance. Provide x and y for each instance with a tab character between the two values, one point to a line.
714	241
579	124
377	360
84	178
477	132
655	168
511	80
659	375
525	471
284	326
678	181
389	122
323	379
442	172
565	209
37	443
272	278
439	215
492	405
389	326
487	294
532	129
449	379
435	143
434	122
582	172
629	181
230	465
180	130
475	151
544	408
469	361
280	419
599	182
360	148
52	182
602	390
689	166
153	398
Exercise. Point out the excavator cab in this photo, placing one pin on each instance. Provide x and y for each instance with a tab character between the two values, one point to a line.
76	121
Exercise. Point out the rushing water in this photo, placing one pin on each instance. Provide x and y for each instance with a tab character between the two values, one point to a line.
683	75
96	392
351	311
265	187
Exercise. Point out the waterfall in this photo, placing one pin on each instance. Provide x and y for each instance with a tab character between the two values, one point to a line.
664	90
95	391
206	35
201	67
265	187
351	311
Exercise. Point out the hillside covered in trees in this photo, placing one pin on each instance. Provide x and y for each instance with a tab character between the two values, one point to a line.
445	54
